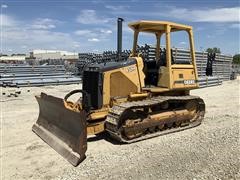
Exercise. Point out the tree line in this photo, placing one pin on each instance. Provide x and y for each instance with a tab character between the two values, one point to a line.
236	57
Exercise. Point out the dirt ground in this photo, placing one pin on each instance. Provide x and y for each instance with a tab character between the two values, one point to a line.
209	151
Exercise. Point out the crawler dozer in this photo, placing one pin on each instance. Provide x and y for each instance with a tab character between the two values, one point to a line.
131	100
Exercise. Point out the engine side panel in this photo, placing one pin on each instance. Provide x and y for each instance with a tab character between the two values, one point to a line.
183	77
121	82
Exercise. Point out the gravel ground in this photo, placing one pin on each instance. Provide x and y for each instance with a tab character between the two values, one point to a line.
209	151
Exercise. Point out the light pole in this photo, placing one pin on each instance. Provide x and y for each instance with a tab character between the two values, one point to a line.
1	28
3	6
1	106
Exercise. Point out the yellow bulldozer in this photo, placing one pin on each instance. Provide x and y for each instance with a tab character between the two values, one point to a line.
131	100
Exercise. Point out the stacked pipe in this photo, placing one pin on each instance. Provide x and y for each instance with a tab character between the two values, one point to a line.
25	75
221	64
46	61
236	68
26	69
182	56
85	59
207	81
106	56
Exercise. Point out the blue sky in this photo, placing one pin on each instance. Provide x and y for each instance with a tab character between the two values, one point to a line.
90	26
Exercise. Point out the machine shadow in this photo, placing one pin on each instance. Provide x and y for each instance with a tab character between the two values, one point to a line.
105	136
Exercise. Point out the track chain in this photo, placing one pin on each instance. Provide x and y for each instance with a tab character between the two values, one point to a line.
113	124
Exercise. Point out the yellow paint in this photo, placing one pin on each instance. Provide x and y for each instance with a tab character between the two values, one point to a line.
95	128
156	26
139	95
98	115
127	83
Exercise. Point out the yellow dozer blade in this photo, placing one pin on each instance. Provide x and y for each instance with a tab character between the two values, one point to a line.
61	128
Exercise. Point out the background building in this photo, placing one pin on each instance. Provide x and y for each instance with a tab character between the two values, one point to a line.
15	59
53	54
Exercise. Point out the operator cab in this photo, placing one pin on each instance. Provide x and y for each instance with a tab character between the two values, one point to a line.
152	67
165	71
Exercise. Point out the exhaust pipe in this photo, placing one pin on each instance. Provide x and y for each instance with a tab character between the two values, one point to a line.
119	38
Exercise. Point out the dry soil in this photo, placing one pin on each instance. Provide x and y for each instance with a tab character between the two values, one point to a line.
209	151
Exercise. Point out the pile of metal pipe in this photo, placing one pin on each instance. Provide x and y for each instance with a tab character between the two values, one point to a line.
222	65
25	75
105	57
44	82
20	69
13	75
207	81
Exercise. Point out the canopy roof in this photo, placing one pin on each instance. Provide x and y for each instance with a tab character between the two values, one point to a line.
157	26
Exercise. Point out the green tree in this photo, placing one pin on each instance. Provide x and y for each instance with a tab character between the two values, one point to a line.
213	50
236	59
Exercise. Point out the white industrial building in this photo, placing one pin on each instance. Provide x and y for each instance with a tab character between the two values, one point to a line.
38	55
13	59
53	54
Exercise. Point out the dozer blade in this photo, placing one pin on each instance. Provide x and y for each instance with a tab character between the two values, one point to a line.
63	129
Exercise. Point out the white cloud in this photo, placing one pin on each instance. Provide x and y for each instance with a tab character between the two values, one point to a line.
6	20
116	8
106	31
96	51
183	43
76	45
221	15
35	38
25	36
237	25
90	17
93	40
93	35
4	6
44	23
83	32
210	36
200	28
205	15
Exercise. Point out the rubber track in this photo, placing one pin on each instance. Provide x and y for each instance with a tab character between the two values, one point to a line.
114	128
